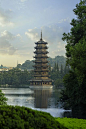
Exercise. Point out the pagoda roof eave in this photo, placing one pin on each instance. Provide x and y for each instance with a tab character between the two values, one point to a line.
38	47
41	42
40	57
41	80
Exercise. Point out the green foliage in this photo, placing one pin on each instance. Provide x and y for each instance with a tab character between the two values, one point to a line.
59	83
78	61
57	74
58	59
75	82
15	77
77	32
3	99
26	65
72	123
24	118
70	94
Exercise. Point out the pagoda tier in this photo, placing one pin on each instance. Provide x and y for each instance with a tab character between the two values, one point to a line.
41	47
41	68
41	52
41	42
41	74
41	56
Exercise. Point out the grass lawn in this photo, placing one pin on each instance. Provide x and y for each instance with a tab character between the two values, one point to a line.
72	123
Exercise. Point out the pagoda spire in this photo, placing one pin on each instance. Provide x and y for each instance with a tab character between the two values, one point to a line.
41	36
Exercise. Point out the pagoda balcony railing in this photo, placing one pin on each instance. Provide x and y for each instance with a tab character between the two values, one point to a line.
41	52
40	66
37	56
36	75
41	47
41	70
40	61
43	80
42	42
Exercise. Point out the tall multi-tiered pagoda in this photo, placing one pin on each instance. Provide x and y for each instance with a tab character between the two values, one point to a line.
41	68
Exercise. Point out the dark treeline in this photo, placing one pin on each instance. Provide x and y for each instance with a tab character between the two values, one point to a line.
57	73
20	75
15	77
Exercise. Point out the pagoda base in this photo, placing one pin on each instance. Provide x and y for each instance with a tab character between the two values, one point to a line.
41	87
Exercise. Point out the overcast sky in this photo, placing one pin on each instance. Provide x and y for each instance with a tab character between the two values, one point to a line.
21	22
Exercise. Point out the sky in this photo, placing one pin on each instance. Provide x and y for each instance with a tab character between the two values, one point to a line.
21	22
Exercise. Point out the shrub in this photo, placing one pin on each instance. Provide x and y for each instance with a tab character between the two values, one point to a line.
3	99
24	118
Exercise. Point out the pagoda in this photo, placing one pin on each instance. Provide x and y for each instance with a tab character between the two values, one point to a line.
41	68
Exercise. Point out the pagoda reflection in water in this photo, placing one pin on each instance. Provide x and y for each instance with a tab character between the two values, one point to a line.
42	98
41	68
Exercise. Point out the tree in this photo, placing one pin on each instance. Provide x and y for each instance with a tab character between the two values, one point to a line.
19	66
57	67
78	62
78	30
61	71
75	81
1	66
3	99
1	78
59	83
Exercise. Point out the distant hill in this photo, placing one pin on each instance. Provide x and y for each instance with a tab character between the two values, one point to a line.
58	59
26	65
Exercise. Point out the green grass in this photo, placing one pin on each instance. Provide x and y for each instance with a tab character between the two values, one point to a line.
72	123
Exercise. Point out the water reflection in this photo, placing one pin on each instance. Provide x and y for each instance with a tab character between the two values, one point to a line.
41	98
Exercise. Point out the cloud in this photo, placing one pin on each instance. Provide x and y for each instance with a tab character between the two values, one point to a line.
53	35
7	35
5	45
13	45
5	17
18	35
59	50
33	34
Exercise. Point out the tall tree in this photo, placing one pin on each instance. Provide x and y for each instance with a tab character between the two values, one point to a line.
75	81
78	30
57	67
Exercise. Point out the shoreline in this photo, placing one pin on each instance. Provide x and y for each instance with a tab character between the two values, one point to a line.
12	86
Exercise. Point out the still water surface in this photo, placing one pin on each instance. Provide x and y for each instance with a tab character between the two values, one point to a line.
43	100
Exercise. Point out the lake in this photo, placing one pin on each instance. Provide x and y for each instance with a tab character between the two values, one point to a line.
42	100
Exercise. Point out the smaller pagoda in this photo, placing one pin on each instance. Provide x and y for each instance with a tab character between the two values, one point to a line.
41	68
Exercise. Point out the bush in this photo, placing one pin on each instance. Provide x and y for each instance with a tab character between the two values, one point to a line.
3	99
24	118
